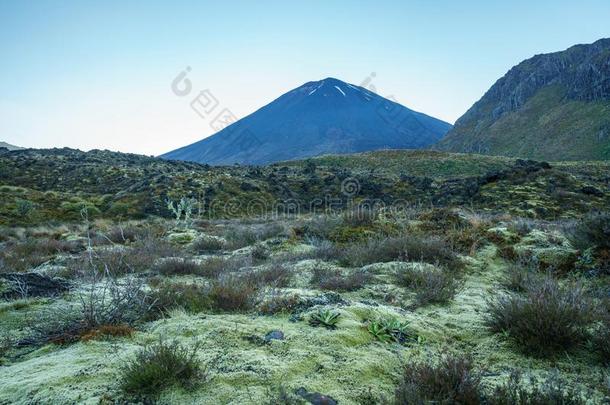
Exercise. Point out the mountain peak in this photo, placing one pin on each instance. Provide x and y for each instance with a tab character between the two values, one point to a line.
320	117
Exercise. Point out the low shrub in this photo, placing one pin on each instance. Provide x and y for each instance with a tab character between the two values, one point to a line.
278	303
178	266
276	275
411	247
319	227
260	253
431	285
191	297
451	381
552	391
159	366
120	260
601	341
592	231
214	267
123	234
548	318
148	250
359	217
519	277
326	278
232	293
32	252
6	344
241	236
208	244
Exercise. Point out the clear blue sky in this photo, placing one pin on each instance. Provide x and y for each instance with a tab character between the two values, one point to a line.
90	74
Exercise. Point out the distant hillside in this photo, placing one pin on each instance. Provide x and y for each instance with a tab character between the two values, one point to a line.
9	146
58	183
327	116
554	106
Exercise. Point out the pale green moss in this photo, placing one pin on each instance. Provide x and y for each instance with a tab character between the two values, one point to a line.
183	237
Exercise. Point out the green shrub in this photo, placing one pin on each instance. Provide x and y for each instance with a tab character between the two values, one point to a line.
431	285
592	231
241	236
519	277
214	267
24	207
178	266
411	247
123	234
191	297
451	381
32	252
159	366
276	275
278	303
208	244
547	319
260	253
326	278
232	293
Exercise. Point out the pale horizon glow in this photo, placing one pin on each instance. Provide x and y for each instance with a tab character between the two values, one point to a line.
97	75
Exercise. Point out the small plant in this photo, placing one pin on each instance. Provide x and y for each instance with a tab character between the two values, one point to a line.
259	252
451	381
379	331
325	318
24	208
390	330
159	366
182	210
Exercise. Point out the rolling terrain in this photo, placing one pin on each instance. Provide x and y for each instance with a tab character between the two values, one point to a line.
416	276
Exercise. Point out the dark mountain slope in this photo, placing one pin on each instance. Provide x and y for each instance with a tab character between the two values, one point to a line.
328	116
